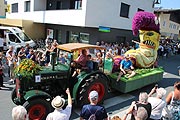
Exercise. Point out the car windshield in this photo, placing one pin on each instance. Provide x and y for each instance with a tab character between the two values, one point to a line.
23	36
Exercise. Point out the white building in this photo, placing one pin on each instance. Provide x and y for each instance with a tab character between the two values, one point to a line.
76	20
169	23
2	9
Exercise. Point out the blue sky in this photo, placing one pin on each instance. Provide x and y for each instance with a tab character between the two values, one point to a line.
169	4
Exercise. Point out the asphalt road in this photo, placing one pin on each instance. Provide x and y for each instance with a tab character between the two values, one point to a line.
115	102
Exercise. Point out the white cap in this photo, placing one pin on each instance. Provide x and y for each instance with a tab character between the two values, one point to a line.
93	95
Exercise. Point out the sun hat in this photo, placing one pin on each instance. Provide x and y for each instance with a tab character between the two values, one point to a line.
58	102
93	95
161	92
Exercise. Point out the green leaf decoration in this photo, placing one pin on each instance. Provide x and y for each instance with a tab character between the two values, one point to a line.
27	68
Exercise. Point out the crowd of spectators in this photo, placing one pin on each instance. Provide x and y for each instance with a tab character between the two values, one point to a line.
13	58
148	107
114	48
167	49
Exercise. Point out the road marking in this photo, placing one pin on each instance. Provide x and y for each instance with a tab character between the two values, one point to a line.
111	102
165	73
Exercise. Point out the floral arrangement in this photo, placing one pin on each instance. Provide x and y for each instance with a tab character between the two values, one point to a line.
27	68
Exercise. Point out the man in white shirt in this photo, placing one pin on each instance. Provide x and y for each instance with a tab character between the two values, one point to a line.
57	103
157	103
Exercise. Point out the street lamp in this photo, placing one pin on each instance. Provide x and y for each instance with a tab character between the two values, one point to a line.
157	1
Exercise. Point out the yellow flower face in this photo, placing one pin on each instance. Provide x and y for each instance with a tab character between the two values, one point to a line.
149	38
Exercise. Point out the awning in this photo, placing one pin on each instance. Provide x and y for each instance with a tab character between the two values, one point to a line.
71	47
11	22
15	22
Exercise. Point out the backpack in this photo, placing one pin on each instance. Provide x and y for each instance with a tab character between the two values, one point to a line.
92	116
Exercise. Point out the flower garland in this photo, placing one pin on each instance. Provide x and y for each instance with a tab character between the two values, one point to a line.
27	68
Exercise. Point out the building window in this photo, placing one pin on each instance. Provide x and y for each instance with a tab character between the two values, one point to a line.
84	37
140	9
170	25
74	37
14	8
177	27
164	23
78	4
58	32
124	12
174	26
59	5
27	6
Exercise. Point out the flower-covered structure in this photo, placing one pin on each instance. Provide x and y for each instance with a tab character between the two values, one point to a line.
27	68
147	25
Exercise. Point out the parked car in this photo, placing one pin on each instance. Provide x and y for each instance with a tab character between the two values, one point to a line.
15	37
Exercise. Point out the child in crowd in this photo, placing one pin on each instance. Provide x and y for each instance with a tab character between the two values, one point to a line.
89	62
61	58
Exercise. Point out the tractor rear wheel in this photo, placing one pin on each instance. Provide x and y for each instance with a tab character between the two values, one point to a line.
97	83
38	109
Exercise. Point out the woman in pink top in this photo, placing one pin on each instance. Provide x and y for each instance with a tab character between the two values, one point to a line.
82	59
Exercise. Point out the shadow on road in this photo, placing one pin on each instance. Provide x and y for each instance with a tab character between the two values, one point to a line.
170	64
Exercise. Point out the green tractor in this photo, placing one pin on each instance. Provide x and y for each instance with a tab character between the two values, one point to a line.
35	92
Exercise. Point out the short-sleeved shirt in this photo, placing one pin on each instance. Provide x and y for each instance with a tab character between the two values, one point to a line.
21	53
90	65
108	64
62	60
29	56
126	64
82	60
100	114
60	114
157	107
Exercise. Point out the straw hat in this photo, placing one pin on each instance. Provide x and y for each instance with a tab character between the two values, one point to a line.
58	102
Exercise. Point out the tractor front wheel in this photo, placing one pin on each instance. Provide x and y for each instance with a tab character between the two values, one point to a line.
38	109
14	98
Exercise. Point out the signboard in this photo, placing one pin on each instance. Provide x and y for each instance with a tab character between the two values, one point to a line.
104	29
50	33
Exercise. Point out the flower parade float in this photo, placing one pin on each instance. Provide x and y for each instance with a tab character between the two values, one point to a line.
144	58
27	68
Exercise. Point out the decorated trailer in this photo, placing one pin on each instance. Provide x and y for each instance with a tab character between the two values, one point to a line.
36	86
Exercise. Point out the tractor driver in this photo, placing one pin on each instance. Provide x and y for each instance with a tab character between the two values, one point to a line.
82	59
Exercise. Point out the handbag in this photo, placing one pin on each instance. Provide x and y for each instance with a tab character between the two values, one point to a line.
166	113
